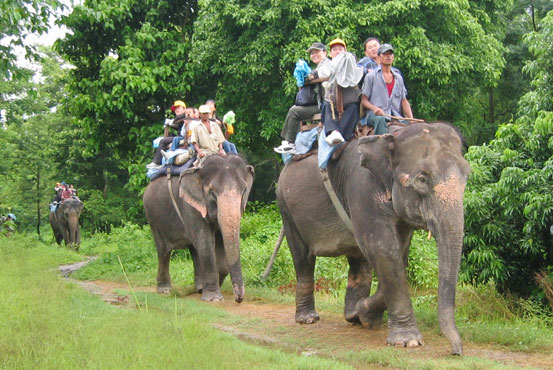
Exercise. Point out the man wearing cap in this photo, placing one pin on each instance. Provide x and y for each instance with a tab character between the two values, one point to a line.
207	137
178	108
341	108
384	92
296	113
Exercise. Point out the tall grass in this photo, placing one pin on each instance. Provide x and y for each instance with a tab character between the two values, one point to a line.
47	323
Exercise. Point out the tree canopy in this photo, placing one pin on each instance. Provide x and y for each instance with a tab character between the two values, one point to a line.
18	19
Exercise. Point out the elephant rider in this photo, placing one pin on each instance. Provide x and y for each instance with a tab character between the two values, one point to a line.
340	112
370	61
296	113
206	137
384	92
178	108
228	147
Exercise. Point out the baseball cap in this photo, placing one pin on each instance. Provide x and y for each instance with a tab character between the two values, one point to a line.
316	46
178	103
384	48
337	41
204	109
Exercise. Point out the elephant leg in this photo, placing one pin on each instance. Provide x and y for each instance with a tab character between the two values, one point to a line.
222	263
163	278
205	246
358	288
304	263
392	278
370	310
198	279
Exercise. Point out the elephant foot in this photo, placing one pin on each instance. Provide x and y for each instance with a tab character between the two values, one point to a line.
369	312
307	317
164	289
405	337
212	296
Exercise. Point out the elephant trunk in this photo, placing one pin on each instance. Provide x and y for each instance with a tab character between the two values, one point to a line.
74	232
449	239
228	216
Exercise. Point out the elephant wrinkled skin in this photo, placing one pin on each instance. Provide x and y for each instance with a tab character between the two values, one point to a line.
211	201
389	185
65	223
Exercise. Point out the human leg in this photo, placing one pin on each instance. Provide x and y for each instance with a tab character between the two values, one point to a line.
379	124
295	115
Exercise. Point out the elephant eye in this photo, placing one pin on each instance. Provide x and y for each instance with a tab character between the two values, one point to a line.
212	195
421	183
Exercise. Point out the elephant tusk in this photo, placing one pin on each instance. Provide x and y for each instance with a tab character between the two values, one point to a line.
429	235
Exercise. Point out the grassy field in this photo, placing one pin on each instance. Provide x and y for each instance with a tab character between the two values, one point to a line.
48	323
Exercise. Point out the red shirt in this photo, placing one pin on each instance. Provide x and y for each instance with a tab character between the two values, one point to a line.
390	86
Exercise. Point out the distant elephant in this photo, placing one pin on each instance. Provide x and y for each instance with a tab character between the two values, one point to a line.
389	186
65	223
211	201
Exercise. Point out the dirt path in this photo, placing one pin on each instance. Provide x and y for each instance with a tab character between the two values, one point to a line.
273	325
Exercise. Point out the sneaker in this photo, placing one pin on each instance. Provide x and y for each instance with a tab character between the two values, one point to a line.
285	148
164	154
154	166
334	138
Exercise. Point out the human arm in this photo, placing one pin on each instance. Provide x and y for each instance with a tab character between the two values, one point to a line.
199	152
368	105
406	108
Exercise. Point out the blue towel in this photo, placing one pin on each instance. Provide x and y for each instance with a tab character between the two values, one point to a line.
302	69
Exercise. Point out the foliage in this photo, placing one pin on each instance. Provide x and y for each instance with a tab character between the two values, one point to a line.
422	270
509	199
130	58
245	51
18	19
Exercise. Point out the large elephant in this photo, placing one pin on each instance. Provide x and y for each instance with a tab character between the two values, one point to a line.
65	223
211	201
389	186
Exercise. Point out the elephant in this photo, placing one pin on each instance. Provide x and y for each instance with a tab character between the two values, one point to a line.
389	186
210	201
65	223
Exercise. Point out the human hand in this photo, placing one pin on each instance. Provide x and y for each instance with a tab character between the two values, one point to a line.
378	112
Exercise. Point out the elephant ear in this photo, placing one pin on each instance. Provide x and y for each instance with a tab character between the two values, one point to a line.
376	155
191	191
249	180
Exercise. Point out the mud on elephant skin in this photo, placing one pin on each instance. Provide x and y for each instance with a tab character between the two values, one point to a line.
211	201
65	223
389	186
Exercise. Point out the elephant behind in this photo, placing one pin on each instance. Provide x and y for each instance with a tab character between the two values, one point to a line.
210	202
389	186
65	223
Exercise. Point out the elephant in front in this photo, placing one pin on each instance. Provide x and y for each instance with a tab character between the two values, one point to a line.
65	222
209	204
388	186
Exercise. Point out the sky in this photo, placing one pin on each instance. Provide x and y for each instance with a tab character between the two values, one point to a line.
48	38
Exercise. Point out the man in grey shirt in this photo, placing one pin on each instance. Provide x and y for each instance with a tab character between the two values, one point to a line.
384	92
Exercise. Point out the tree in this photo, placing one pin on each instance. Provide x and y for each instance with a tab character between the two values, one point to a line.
130	61
509	199
246	51
19	18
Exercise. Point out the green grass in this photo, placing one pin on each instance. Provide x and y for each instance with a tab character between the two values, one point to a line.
483	316
50	324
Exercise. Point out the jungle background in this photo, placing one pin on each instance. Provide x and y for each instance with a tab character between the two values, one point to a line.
88	110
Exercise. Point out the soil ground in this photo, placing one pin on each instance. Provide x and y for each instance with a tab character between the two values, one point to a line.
273	325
